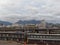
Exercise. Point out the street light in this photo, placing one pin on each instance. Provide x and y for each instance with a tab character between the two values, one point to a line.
25	38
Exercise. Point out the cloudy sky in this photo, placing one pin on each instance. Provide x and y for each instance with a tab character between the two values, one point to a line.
14	10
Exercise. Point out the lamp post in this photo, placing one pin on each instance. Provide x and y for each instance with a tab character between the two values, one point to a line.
25	38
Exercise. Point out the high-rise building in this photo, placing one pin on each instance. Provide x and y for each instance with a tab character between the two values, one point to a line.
42	24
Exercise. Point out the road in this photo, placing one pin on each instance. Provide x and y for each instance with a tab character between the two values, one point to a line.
2	42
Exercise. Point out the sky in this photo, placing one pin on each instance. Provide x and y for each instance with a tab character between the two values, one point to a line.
14	10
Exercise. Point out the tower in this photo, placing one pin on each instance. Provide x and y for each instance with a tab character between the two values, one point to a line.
43	24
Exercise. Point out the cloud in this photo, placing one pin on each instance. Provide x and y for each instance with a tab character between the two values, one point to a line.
14	10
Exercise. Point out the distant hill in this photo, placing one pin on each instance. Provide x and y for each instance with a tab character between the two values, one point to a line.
5	23
28	22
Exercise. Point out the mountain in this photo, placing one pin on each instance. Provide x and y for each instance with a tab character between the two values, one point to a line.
53	21
28	22
5	23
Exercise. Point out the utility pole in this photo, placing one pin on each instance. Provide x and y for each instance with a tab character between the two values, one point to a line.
25	38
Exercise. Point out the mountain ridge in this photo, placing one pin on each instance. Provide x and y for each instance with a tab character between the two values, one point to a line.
28	22
5	22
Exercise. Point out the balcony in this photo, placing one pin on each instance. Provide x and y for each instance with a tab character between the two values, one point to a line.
34	36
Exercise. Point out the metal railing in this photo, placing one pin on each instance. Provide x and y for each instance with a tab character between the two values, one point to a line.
31	36
37	36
